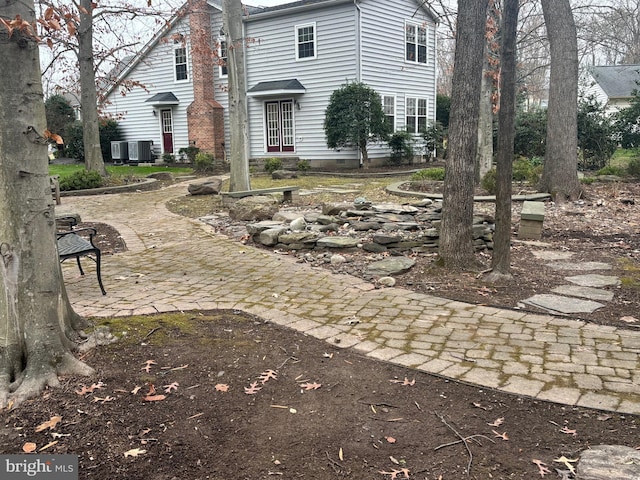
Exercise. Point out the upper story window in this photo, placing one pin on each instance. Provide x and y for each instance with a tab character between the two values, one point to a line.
180	61
389	109
416	114
415	42
306	45
222	58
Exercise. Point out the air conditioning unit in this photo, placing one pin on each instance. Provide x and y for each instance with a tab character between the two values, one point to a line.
140	151
119	151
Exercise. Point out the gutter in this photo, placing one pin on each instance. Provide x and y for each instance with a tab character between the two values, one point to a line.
292	10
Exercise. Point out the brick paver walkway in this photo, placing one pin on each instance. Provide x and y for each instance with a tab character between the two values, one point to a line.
174	263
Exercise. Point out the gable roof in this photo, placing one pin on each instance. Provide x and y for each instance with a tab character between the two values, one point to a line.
617	81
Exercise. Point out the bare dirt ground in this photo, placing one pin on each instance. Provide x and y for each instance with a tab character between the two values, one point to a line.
222	395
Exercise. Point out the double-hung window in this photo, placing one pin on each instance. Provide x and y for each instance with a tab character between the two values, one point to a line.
389	109
222	58
306	41
416	114
415	42
180	62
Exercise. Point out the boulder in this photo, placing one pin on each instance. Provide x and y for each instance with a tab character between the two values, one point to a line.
607	462
210	187
337	242
391	266
254	208
161	176
283	174
270	236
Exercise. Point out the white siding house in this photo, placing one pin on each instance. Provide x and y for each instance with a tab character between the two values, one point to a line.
612	85
297	55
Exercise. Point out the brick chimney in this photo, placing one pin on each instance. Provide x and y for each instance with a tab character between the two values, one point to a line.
205	118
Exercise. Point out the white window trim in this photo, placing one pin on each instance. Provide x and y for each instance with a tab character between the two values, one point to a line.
395	109
315	41
220	67
186	57
416	25
406	112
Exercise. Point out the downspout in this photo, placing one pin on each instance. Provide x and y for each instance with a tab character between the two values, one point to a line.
358	57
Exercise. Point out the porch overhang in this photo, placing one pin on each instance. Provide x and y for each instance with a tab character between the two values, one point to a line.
164	99
277	88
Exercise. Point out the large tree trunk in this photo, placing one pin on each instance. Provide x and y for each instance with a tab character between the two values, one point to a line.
88	99
560	175
238	159
501	262
456	237
37	324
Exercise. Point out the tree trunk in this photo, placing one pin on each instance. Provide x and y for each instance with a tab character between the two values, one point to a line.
238	159
456	237
485	127
501	262
37	324
560	175
88	98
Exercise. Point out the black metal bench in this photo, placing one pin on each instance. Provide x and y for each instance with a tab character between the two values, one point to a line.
78	243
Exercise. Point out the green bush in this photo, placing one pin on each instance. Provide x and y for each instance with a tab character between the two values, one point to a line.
595	138
190	152
489	181
204	162
527	170
587	180
109	132
169	158
611	170
303	166
81	180
73	143
428	174
633	167
531	131
272	164
401	144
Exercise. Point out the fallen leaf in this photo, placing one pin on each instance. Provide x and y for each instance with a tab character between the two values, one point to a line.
542	467
604	417
394	473
567	463
503	436
171	388
103	400
29	447
252	389
147	366
327	355
50	424
60	435
340	454
568	431
479	405
497	422
390	439
154	398
152	389
268	375
84	390
135	390
405	382
394	460
222	387
629	319
134	452
311	386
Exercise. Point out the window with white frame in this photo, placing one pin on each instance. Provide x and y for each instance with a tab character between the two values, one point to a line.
306	45
416	114
222	58
415	35
389	109
180	62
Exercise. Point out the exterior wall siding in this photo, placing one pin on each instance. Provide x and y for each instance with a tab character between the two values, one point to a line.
273	57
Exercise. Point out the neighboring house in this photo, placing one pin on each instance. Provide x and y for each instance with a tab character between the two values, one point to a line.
297	55
613	85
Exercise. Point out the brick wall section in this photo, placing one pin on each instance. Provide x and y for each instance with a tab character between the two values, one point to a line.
205	119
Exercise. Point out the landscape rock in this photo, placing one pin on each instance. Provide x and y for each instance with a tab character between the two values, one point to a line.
271	236
608	462
337	242
284	174
337	259
298	225
391	266
210	187
161	176
387	281
253	208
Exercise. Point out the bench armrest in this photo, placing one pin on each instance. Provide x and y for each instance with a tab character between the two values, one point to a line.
66	221
87	231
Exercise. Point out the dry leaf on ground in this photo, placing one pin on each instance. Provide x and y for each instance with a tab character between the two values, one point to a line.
542	467
222	387
394	473
503	436
84	390
497	422
50	424
147	365
252	389
311	386
134	452
154	398
405	382
29	447
171	387
268	375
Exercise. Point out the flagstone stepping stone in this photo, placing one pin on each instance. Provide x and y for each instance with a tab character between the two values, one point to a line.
584	292
593	280
552	255
561	304
579	266
391	266
337	242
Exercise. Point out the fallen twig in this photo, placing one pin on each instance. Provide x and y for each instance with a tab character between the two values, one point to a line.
470	437
463	439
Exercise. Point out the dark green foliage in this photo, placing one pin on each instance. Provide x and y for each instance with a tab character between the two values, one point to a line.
594	135
190	152
443	106
81	180
611	170
303	165
59	113
428	174
73	143
109	132
401	144
531	131
627	123
489	181
433	136
272	164
170	158
527	170
633	168
354	118
204	162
